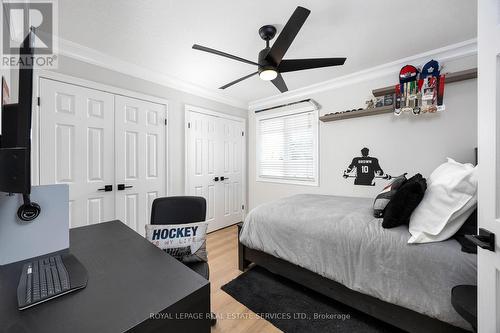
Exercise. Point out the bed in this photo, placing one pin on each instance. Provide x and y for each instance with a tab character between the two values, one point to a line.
335	246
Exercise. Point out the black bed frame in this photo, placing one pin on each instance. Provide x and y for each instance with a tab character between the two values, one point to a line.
395	315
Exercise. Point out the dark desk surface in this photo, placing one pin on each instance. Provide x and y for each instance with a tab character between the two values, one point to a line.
129	279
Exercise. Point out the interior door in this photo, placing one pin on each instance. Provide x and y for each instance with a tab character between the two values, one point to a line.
77	148
140	159
489	162
201	159
214	164
231	190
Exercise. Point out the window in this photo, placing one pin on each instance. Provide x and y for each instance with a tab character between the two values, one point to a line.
287	147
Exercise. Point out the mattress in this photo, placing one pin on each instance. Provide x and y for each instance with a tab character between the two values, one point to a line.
338	238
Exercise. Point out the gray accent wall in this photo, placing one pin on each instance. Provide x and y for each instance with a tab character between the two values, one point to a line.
402	144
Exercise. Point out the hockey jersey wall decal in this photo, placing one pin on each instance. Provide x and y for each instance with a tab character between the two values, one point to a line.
364	169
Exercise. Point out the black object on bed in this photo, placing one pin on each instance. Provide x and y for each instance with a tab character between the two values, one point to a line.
395	315
404	202
384	197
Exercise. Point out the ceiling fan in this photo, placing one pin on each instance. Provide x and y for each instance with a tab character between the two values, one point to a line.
270	62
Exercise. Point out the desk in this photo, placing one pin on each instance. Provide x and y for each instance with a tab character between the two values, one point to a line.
129	281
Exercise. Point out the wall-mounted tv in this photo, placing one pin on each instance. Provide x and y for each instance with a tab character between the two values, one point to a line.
15	139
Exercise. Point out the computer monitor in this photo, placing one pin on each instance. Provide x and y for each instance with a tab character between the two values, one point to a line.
15	140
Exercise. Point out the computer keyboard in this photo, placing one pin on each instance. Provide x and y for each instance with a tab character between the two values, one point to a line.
47	278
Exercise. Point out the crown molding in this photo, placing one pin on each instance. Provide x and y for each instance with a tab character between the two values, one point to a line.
88	55
447	53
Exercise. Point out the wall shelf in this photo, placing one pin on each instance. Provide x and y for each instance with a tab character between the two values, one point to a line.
355	114
450	78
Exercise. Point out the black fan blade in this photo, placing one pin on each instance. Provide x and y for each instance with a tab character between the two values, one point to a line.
223	54
287	36
236	81
280	83
291	65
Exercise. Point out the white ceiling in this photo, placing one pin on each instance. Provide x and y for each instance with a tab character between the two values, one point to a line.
158	35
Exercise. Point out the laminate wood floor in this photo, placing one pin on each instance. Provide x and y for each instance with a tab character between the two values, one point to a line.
233	317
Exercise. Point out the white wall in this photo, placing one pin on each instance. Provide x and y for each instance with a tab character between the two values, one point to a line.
402	144
176	102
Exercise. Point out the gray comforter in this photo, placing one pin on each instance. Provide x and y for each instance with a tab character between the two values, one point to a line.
338	238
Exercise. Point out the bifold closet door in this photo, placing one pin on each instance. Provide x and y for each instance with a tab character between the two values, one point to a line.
231	166
214	162
77	148
488	87
201	158
140	159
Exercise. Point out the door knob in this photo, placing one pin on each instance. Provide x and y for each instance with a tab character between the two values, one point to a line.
485	239
216	179
122	187
106	188
223	178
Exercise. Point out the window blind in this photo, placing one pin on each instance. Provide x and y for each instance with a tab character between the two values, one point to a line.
287	147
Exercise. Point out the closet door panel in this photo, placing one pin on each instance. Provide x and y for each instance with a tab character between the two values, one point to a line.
77	148
232	156
202	161
214	149
140	159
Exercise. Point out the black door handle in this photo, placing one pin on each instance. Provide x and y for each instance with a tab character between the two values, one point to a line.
216	179
121	187
223	178
106	188
485	239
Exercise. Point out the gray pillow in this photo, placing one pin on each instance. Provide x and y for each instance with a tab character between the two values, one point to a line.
383	198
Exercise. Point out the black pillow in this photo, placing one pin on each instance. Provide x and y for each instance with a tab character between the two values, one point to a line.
468	228
383	198
404	202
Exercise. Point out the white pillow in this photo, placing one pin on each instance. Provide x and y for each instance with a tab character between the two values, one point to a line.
450	198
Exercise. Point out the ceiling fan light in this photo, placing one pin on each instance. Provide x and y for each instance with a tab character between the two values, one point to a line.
268	74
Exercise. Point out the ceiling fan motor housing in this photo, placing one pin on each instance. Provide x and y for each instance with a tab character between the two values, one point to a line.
264	64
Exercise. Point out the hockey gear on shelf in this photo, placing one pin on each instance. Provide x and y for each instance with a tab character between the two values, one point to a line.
408	89
429	78
398	101
420	94
441	83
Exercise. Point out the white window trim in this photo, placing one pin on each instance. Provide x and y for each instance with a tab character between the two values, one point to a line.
270	115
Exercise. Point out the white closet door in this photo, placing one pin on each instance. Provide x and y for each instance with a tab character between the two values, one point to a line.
488	261
231	197
140	159
215	149
77	148
201	161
